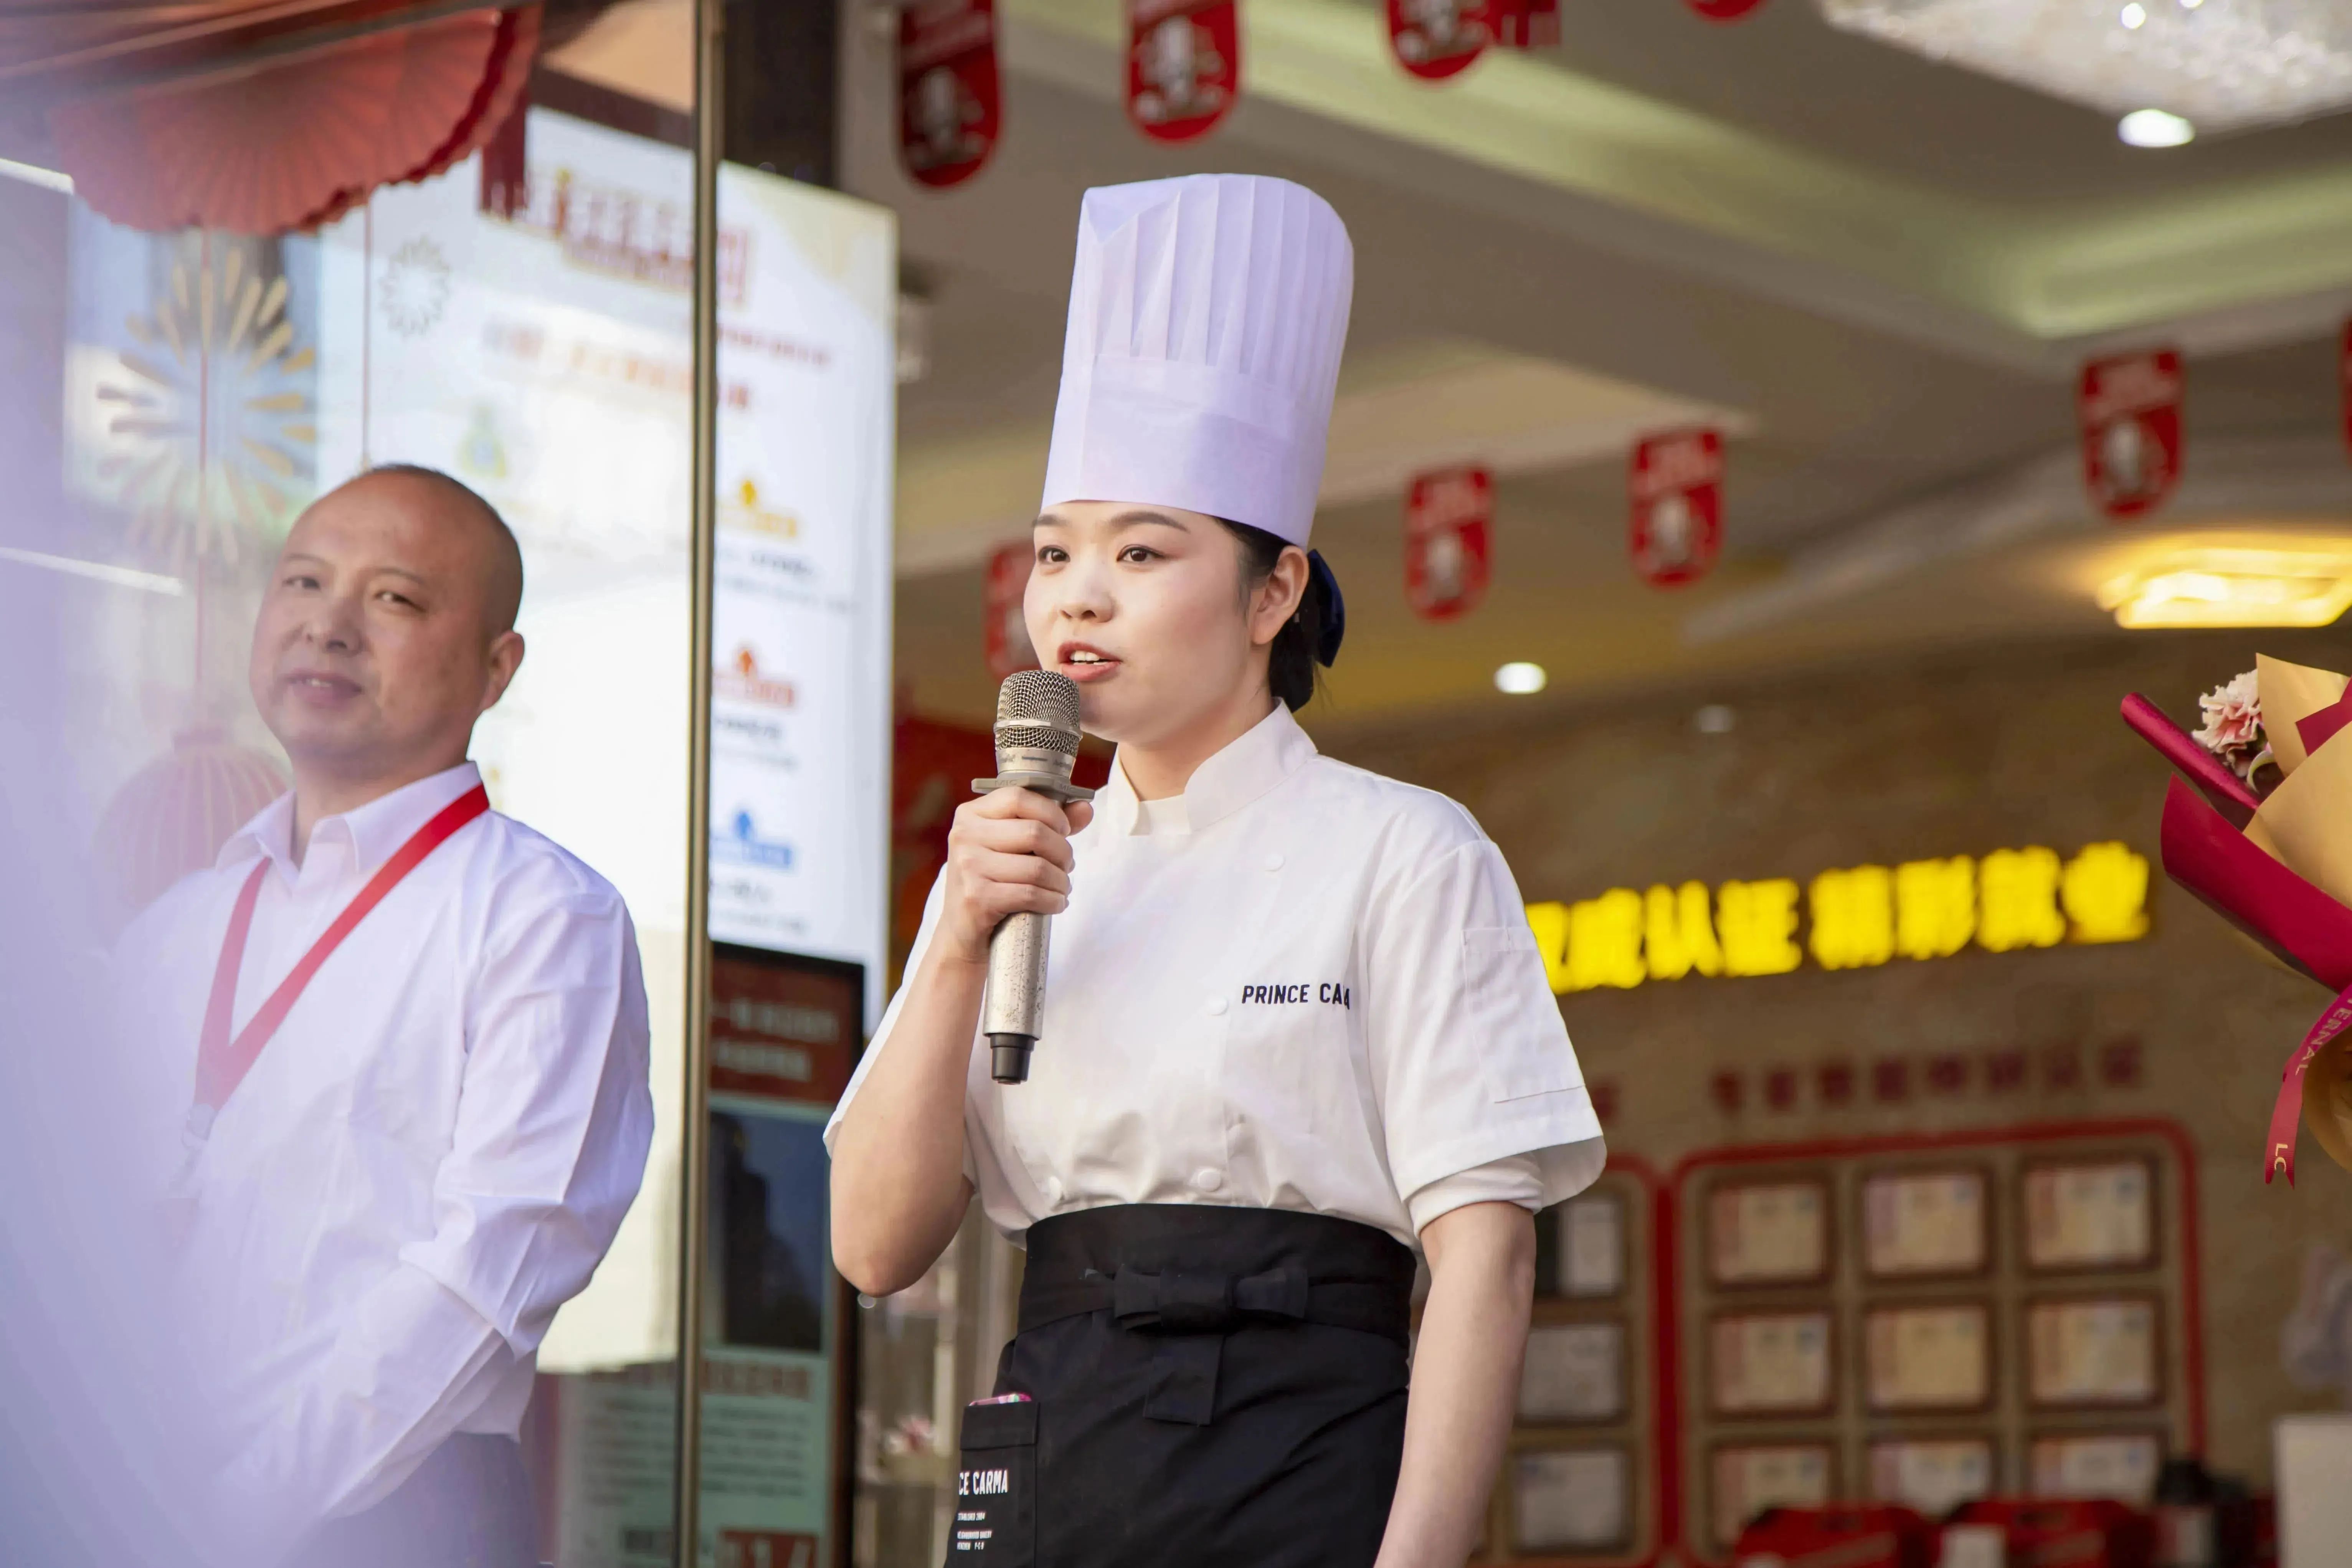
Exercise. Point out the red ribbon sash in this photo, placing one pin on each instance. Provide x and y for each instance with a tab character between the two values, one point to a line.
223	1062
2286	1111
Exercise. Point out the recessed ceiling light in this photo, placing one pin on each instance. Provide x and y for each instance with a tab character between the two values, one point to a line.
2135	14
1714	719
1521	678
2233	588
2155	128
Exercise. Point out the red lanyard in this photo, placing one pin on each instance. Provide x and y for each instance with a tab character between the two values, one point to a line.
222	1062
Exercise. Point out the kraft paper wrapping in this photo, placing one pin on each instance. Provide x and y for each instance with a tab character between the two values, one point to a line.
2305	825
2290	694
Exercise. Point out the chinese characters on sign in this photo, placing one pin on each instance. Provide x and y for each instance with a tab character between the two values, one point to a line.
1855	917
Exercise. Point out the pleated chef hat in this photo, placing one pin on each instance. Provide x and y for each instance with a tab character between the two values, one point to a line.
1207	314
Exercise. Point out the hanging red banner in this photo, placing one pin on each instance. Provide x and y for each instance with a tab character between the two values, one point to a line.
1675	485
2343	379
1183	65
1446	514
1006	626
1724	10
1524	24
948	103
2130	412
1435	38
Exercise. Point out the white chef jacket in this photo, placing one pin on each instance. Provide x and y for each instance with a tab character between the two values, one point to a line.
1299	985
428	1158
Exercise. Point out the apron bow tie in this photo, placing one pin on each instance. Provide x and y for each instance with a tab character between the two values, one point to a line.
1175	1303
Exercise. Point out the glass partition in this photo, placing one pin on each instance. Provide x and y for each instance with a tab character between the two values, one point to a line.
526	321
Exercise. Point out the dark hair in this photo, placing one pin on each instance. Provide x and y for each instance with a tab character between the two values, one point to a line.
1290	664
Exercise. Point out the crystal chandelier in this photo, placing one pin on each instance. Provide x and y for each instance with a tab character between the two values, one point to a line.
2221	64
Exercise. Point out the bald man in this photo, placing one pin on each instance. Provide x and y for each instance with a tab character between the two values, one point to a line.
404	1041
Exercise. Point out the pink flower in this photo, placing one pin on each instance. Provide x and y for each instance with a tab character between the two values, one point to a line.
2233	724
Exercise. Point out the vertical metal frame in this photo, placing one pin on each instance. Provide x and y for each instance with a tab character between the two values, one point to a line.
694	1184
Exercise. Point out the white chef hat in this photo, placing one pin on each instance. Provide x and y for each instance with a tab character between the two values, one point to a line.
1207	314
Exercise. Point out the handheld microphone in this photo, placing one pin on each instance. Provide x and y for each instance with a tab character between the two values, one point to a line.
1036	746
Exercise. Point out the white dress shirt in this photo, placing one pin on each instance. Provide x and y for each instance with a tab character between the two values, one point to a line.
1299	985
430	1156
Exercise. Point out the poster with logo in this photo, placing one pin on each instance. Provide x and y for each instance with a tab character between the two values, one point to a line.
1674	486
1447	515
546	360
801	706
1183	65
1005	628
1435	38
948	92
2129	407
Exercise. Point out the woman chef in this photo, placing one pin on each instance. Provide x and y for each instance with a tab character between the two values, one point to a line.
1295	1025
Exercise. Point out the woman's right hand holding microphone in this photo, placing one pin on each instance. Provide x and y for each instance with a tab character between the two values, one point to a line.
1008	852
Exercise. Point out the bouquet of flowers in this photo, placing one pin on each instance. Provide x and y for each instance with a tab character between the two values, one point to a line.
2268	847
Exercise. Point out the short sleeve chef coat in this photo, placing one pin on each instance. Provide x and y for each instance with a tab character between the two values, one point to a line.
1323	996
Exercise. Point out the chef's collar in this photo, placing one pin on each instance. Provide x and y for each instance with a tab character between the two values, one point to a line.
1250	765
372	831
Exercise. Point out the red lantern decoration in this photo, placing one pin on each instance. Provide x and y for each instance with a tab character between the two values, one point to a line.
1183	65
949	102
1676	486
1725	10
1006	626
1446	518
1435	38
2129	407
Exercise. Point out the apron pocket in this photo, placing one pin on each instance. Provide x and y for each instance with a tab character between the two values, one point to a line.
996	1487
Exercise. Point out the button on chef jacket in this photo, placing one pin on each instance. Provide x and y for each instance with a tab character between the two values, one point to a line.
1299	985
432	1154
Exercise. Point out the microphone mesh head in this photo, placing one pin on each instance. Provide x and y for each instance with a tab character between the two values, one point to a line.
1039	700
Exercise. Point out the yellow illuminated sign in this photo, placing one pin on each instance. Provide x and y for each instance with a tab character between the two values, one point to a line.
1855	917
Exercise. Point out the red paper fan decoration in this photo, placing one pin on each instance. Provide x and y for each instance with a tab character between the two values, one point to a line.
298	142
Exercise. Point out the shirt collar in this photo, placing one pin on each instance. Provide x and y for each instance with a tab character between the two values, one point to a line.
374	831
1249	766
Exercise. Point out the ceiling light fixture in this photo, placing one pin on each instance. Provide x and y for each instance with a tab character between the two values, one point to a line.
2155	128
2233	588
1521	678
2221	66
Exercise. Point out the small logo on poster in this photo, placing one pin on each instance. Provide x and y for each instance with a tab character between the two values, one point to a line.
741	843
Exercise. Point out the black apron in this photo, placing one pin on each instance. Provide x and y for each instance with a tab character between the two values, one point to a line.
1207	1386
469	1505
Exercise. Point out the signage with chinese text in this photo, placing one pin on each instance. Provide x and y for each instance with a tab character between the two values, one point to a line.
1856	917
2130	412
1435	38
1675	488
948	89
1447	543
